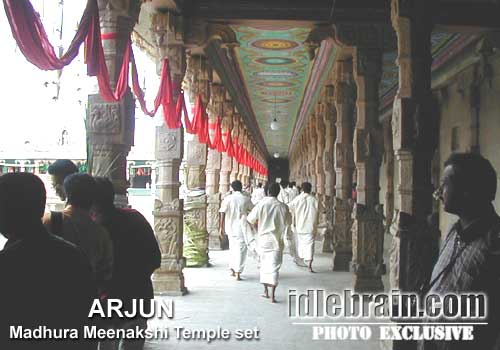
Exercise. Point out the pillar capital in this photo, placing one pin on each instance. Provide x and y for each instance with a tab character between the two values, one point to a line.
198	78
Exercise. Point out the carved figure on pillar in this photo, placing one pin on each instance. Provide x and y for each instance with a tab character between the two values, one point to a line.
415	138
215	109
199	75
168	210
110	126
368	229
329	119
344	165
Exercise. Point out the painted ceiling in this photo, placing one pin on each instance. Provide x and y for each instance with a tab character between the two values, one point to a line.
276	67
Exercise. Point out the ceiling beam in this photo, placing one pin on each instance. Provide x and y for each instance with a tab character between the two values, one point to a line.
312	10
224	62
468	14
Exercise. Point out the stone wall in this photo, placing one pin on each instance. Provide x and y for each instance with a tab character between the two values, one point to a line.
456	117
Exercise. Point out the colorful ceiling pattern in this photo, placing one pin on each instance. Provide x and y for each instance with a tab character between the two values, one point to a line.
276	67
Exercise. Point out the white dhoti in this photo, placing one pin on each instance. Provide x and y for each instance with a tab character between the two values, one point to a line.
305	246
250	236
237	253
270	264
271	257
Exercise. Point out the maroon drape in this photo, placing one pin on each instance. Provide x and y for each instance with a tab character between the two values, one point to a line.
30	35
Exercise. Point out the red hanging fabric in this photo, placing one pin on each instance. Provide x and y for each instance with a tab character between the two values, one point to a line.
218	143
162	90
29	33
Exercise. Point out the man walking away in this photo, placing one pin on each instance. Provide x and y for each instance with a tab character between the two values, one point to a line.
258	194
272	219
136	256
304	209
232	208
76	226
45	281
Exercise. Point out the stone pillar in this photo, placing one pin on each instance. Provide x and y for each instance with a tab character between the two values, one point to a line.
320	149
235	136
389	171
168	210
199	75
329	119
313	151
226	162
368	228
110	126
344	165
215	111
415	138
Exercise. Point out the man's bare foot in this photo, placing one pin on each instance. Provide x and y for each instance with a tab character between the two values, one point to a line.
273	300
311	270
265	296
238	278
233	273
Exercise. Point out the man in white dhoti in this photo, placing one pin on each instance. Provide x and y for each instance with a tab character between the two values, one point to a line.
283	195
292	193
232	208
304	209
272	218
258	194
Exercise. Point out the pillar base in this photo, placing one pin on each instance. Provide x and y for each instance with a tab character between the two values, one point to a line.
214	243
169	279
342	261
364	283
327	242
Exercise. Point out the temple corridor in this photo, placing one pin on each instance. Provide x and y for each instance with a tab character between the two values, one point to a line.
216	299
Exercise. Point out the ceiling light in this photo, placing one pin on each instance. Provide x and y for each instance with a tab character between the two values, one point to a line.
274	125
276	155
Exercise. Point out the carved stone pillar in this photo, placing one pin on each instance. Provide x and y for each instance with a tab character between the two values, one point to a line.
215	110
320	149
368	228
344	165
195	205
415	137
110	126
235	137
168	211
329	119
226	162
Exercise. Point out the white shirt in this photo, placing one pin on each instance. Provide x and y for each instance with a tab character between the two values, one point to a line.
304	209
257	195
272	217
291	194
283	196
235	205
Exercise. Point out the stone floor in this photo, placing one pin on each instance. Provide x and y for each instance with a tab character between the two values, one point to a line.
216	299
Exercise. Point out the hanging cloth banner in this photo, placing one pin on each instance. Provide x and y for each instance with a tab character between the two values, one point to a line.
31	38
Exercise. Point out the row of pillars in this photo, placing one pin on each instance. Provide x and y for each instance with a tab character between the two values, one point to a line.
343	134
348	142
110	134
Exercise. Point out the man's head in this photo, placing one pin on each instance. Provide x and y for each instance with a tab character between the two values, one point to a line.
58	171
104	196
306	187
294	184
22	202
469	182
274	189
259	185
284	184
236	185
80	190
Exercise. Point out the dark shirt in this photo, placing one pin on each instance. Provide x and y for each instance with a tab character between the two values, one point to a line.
477	269
136	255
45	281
